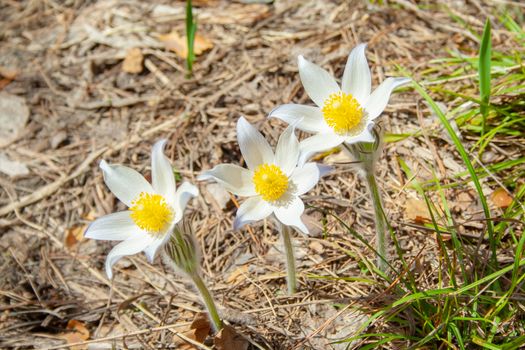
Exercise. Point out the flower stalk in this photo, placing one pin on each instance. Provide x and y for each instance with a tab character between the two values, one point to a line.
291	277
208	301
380	221
181	254
367	153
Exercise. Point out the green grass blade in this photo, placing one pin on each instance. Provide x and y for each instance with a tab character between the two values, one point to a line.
514	344
485	344
470	168
191	29
490	278
484	73
459	338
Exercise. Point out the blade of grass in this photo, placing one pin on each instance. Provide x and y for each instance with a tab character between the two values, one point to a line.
484	74
458	246
466	159
485	344
431	210
191	29
454	328
514	344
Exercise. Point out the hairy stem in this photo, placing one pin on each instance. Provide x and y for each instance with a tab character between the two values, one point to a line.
380	220
291	278
208	301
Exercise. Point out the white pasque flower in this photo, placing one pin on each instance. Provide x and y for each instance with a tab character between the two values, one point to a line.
154	208
343	114
273	182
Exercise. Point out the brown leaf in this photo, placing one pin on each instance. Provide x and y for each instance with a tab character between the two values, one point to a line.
175	42
237	275
74	235
133	61
14	114
229	339
75	332
198	331
4	82
8	73
416	210
501	198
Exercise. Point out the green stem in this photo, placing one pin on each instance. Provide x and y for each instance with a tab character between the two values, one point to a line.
290	259
208	301
381	227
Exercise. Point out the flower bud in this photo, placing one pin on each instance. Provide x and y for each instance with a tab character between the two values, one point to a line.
181	250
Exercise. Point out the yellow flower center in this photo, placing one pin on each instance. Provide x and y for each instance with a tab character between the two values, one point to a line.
151	212
342	112
270	182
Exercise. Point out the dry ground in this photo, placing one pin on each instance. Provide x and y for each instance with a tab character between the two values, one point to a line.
64	59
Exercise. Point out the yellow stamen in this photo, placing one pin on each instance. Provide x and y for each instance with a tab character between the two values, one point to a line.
342	113
270	182
151	212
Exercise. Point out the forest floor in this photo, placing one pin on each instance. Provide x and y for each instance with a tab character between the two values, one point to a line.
82	81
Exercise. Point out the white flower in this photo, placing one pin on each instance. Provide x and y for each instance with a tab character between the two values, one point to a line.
154	208
273	182
342	114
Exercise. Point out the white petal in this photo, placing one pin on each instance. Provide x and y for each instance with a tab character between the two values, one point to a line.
233	178
287	151
324	169
365	136
162	178
252	209
125	183
318	143
356	77
305	178
113	227
152	249
184	193
291	214
317	82
312	117
254	147
125	248
377	102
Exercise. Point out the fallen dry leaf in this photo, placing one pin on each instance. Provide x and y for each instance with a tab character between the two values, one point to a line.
229	339
175	42
8	73
463	200
237	275
4	82
221	196
501	198
133	61
13	117
12	167
75	332
416	210
74	235
198	331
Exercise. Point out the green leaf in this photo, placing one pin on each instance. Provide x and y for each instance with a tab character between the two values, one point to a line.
484	73
474	176
191	29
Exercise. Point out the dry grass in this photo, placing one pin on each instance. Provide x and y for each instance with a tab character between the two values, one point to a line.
83	108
